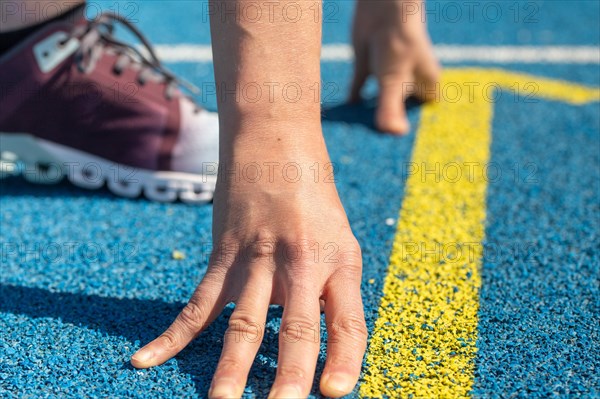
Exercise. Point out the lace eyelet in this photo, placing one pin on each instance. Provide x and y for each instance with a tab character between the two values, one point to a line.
117	71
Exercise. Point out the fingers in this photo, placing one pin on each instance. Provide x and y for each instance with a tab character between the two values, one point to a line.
299	340
347	336
428	73
391	112
361	71
200	311
393	65
428	81
243	337
360	32
393	69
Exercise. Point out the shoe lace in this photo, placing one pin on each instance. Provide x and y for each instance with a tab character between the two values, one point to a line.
98	33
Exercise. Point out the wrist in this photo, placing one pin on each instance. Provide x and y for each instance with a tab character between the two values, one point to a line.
276	140
275	163
298	107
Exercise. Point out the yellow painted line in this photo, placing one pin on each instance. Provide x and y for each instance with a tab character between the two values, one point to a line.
424	341
524	85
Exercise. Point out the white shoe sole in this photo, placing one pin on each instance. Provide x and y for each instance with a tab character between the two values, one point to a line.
45	162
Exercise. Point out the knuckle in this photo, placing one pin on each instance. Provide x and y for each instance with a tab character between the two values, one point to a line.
244	326
169	338
300	257
264	234
351	255
262	245
192	315
214	273
227	366
352	326
224	253
299	271
262	248
301	330
348	268
291	372
298	251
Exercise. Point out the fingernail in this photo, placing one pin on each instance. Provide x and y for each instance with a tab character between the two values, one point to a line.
223	389
286	392
221	392
339	383
143	355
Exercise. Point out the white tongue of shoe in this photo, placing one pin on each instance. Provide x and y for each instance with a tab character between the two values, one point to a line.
197	146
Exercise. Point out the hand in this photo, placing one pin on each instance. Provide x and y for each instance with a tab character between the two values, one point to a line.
391	42
277	242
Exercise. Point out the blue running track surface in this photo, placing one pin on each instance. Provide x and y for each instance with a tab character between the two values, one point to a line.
87	278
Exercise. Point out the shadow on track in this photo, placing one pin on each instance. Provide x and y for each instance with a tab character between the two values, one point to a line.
144	320
362	113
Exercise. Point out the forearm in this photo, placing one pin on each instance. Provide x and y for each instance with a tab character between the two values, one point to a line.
267	73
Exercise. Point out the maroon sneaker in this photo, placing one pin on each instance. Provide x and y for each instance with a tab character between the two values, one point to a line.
75	101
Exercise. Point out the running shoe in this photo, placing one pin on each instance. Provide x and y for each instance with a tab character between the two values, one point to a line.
76	101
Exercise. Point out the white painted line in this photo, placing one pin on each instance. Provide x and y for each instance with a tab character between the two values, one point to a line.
184	53
520	54
337	52
447	53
